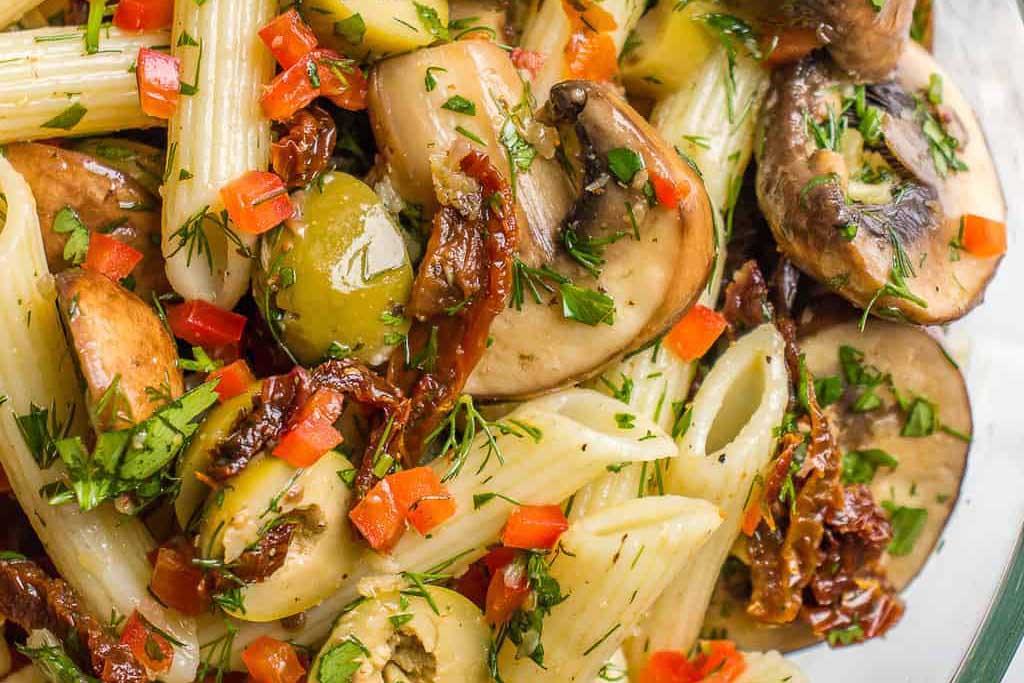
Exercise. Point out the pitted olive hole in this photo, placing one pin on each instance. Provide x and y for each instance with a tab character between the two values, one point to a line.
410	662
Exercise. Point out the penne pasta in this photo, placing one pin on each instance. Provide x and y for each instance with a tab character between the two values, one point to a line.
217	134
712	121
612	565
566	440
729	441
80	544
13	10
51	87
548	31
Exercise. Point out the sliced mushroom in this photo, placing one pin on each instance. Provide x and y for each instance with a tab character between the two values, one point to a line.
423	103
878	220
102	198
929	470
656	261
864	40
128	360
141	162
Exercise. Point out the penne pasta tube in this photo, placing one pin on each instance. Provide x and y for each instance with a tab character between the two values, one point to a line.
712	119
13	10
612	565
51	87
566	440
730	440
216	135
80	544
548	31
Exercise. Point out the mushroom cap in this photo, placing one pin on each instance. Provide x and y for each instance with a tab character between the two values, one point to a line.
653	280
807	210
930	468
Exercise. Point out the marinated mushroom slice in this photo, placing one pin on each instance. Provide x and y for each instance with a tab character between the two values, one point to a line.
867	189
428	635
634	252
276	540
864	39
903	420
126	357
466	94
77	194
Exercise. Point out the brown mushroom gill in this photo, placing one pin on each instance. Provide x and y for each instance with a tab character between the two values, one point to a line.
870	250
652	272
104	198
864	41
929	470
126	357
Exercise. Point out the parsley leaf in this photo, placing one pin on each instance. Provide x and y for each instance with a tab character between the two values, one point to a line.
352	29
341	662
67	119
907	525
460	105
67	222
859	467
431	21
624	163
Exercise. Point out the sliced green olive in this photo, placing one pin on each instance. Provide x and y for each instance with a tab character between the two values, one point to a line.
322	550
215	428
340	277
439	636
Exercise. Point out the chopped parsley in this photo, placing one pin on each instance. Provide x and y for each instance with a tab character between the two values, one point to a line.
340	662
907	525
431	21
352	29
67	119
859	467
460	105
67	222
625	163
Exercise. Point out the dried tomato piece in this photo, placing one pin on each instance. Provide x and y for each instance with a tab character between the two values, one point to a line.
304	152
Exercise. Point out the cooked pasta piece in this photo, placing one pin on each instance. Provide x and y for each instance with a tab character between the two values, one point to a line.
565	441
80	544
50	87
712	121
14	10
612	565
217	134
729	441
548	31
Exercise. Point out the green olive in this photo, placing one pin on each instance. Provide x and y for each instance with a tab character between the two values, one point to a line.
199	455
322	552
339	276
411	638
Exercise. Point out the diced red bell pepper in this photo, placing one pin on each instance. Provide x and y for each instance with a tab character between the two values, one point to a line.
983	237
792	45
422	497
378	518
668	193
143	15
534	527
590	53
528	60
151	649
159	78
307	443
697	332
473	583
499	558
257	202
270	660
321	72
176	582
200	323
110	257
235	379
718	661
289	38
507	591
668	666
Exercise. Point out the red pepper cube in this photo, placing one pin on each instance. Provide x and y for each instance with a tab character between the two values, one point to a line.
289	38
341	80
177	583
668	193
151	649
200	323
257	202
143	15
159	78
669	666
291	90
696	333
270	660
422	498
235	379
307	443
718	661
506	592
111	257
534	527
984	237
378	518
